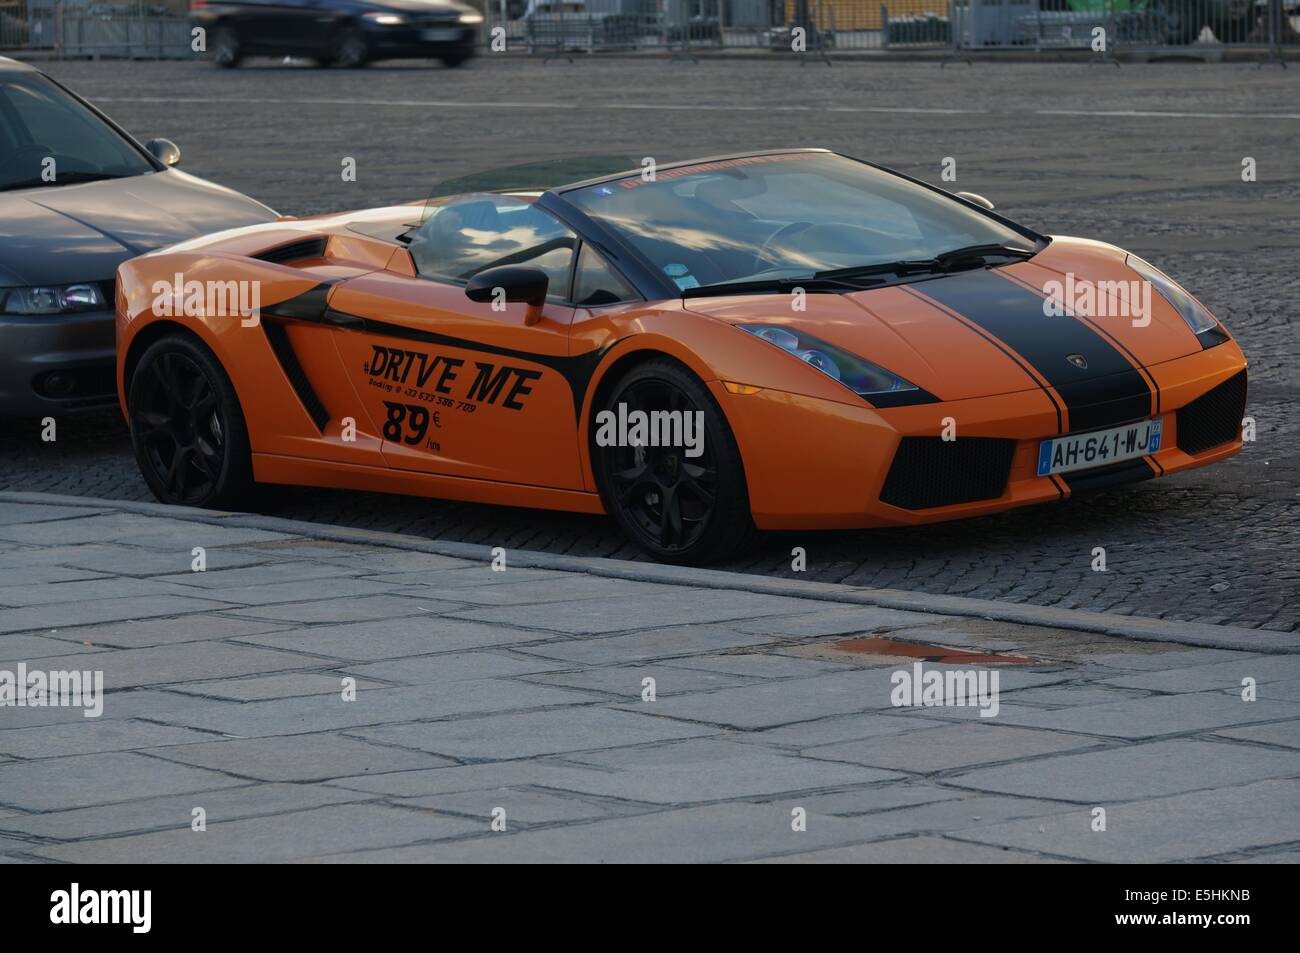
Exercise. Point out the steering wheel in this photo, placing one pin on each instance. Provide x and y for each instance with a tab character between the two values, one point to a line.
785	231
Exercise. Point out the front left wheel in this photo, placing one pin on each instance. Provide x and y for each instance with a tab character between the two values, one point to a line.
682	500
187	428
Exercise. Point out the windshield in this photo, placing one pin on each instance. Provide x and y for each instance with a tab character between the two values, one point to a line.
783	216
47	138
536	176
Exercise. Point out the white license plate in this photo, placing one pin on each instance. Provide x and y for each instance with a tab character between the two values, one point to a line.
1085	450
438	36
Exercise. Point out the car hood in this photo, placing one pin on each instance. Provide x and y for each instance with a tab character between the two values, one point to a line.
83	232
985	332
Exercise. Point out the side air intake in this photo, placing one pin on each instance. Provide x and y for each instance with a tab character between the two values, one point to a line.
303	250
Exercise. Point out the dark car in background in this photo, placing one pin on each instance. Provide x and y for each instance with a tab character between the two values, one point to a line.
347	33
79	196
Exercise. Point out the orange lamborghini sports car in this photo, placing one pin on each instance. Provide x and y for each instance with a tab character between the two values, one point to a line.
777	340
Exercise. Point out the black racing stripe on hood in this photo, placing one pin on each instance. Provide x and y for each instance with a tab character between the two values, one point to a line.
1108	392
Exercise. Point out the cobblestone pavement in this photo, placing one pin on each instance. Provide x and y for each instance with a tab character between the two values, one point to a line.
1148	157
521	697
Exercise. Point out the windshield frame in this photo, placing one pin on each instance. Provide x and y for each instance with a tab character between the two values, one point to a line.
38	78
655	286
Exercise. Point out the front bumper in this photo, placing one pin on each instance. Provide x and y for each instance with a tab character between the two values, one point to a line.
57	364
817	464
398	42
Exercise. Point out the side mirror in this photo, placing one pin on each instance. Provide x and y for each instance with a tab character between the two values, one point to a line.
518	283
164	150
976	199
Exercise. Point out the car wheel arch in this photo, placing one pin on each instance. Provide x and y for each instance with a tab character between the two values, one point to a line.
155	331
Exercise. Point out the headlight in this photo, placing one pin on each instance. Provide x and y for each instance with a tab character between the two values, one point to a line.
385	19
471	18
51	299
860	376
1197	318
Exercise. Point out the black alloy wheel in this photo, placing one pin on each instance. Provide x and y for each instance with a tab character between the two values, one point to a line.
186	426
679	508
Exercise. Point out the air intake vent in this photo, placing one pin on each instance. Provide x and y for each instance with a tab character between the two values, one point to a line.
303	250
931	471
1214	418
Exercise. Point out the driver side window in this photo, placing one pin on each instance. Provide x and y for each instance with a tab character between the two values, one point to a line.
476	232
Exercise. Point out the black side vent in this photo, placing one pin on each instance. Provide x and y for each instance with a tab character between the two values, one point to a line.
284	353
303	250
931	471
1214	418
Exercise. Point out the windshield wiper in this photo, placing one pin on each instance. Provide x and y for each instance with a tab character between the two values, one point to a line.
907	267
818	282
64	178
974	255
980	254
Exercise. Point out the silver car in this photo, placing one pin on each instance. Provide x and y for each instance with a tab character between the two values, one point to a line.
78	196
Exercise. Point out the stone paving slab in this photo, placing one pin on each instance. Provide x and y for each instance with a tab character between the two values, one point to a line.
53	784
351	700
938	749
276	839
102	610
299	758
173	812
405	637
1184	827
594	616
1161	715
1135	771
284	716
340	609
911	850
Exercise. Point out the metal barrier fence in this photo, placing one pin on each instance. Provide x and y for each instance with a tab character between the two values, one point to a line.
568	26
159	29
1109	25
554	27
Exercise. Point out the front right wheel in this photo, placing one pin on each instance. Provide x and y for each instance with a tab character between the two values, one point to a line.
676	486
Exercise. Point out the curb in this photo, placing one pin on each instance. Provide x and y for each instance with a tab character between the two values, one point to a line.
1199	634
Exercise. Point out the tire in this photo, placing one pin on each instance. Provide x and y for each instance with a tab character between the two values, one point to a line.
452	60
349	50
678	508
187	428
226	50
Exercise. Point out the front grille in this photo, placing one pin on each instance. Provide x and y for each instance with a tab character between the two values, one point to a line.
931	471
1214	418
